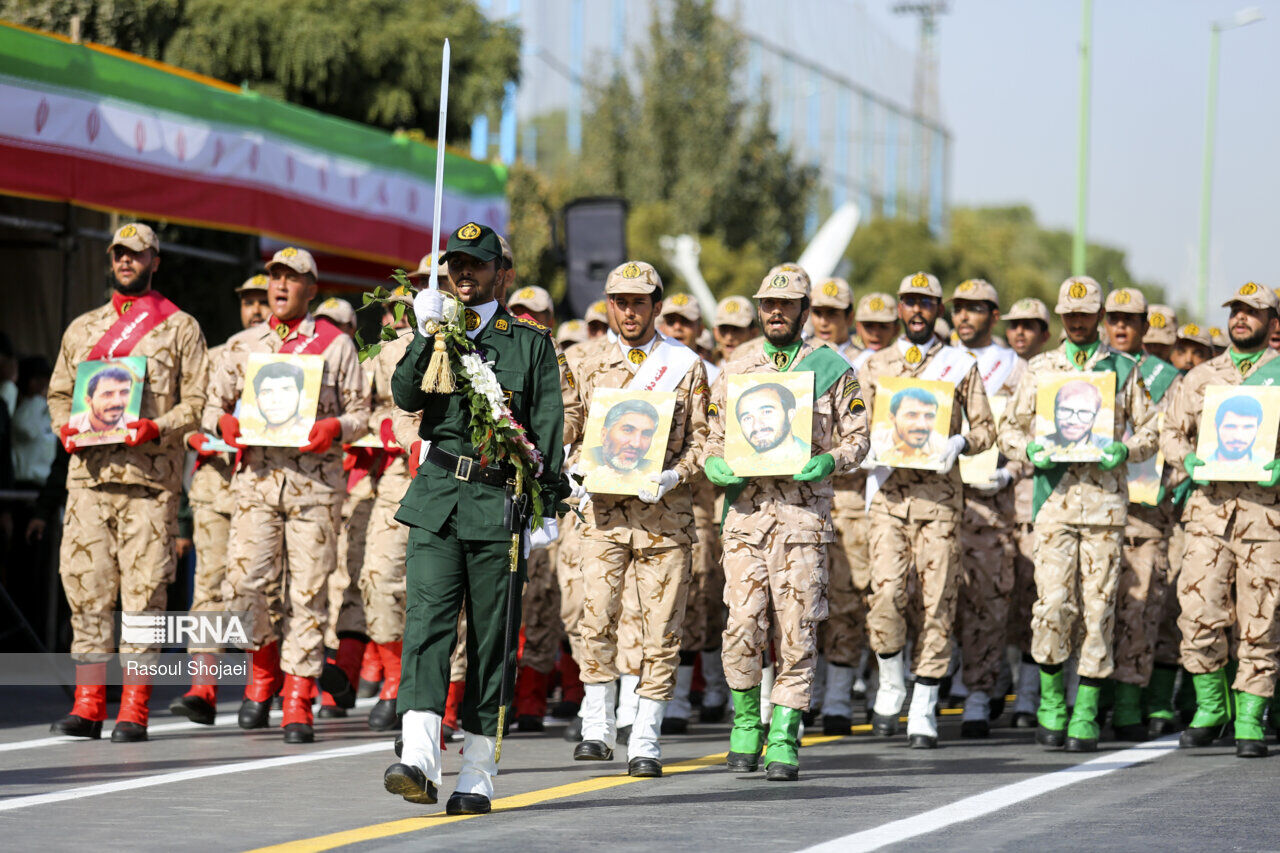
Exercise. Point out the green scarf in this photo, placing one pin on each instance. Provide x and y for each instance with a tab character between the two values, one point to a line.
1073	353
784	358
1239	359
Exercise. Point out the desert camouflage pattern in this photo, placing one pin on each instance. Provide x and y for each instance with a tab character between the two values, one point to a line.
775	538
346	609
843	637
1140	604
703	613
1231	562
1018	623
458	659
630	642
1168	651
173	396
569	579
212	503
540	608
1077	572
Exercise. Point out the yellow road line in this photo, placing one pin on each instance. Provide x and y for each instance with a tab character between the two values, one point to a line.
518	801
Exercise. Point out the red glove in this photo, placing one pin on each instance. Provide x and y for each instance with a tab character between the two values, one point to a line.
66	433
145	430
323	433
229	429
388	436
415	451
197	443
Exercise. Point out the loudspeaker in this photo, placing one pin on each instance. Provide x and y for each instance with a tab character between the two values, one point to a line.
595	241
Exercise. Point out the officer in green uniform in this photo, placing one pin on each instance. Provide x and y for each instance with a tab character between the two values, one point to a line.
459	547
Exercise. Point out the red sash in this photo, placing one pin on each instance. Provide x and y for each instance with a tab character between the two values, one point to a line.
147	311
325	334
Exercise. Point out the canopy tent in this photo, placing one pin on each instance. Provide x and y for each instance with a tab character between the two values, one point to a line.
111	131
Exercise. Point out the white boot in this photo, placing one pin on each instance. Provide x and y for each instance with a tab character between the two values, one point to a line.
679	707
1028	690
766	692
838	693
598	720
478	765
716	692
892	689
644	732
627	699
922	719
977	706
421	731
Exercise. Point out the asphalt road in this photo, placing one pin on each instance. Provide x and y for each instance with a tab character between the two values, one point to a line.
218	788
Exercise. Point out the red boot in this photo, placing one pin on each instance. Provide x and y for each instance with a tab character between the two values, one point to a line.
131	722
341	675
383	716
90	708
256	707
570	687
531	699
452	704
370	672
200	703
298	692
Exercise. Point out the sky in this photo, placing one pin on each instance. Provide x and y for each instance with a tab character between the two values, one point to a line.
1009	89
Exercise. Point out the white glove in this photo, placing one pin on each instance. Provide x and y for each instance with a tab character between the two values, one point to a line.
666	481
955	446
578	491
428	305
1002	480
869	462
543	536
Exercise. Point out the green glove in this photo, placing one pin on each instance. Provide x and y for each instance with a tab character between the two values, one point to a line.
817	468
719	473
1113	455
1274	467
1190	464
1034	450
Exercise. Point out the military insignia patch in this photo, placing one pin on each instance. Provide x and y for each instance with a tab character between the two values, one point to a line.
562	359
856	405
1157	321
1080	358
128	231
636	356
967	286
288	252
1077	291
779	280
713	411
532	324
632	270
1214	332
919	280
702	389
876	304
1191	328
259	280
731	308
1248	289
470	231
780	360
472	320
568	377
1121	297
282	330
680	299
126	306
1245	367
913	355
831	289
502	325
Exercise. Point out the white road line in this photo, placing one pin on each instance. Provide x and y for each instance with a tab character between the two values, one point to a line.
228	720
187	775
994	800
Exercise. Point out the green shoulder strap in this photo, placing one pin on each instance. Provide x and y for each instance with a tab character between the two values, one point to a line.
1268	374
1158	375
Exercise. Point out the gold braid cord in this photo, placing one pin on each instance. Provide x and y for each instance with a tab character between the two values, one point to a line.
438	377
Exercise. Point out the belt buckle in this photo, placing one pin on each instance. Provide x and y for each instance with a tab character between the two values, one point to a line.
462	470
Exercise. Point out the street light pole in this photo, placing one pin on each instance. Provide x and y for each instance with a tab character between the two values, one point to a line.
1078	242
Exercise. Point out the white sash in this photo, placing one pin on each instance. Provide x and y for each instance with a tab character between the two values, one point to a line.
995	363
664	367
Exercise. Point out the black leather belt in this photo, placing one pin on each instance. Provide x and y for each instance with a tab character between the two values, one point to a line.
467	469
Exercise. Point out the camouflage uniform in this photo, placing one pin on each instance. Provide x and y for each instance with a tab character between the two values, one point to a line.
211	506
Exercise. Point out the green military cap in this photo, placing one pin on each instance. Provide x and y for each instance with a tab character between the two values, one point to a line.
479	241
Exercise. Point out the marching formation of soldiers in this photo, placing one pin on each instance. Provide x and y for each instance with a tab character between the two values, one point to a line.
375	558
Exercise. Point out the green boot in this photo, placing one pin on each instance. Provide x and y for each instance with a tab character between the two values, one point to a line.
1212	710
1052	713
1250	737
747	735
782	758
1126	713
1157	696
1082	734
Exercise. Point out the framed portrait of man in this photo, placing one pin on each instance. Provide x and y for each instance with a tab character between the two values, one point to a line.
1076	415
106	398
911	422
625	439
980	469
1238	427
769	423
278	404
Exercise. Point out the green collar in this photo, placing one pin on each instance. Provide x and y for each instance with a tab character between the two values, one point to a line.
1079	355
1245	361
782	357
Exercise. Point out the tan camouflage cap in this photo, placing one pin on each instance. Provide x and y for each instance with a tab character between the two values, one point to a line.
1218	338
1028	308
337	310
135	236
1198	334
1254	295
705	341
632	277
571	332
735	311
789	282
684	305
921	284
832	293
1126	300
253	282
298	260
794	269
976	290
876	308
424	268
1162	325
506	251
596	313
1079	294
532	298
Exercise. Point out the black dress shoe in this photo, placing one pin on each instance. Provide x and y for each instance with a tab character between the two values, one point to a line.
1023	720
409	782
331	712
530	723
592	750
743	762
1051	738
711	714
334	682
368	689
399	746
922	742
884	726
675	725
573	731
383	716
254	715
460	803
299	733
1136	733
1202	736
127	732
834	725
77	726
651	768
1160	726
975	728
1244	749
779	772
1081	744
194	708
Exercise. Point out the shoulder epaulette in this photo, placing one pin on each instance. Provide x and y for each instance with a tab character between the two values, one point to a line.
531	324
